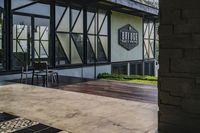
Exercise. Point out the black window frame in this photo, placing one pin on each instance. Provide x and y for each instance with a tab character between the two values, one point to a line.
8	12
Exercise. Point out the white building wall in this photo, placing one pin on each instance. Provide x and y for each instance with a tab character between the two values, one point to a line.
118	53
86	72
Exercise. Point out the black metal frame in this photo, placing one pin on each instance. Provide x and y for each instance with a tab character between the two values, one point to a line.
98	35
52	48
32	39
71	34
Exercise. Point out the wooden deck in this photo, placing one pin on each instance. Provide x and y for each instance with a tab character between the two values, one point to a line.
114	89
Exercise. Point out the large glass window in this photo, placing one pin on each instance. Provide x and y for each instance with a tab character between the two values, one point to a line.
121	68
136	68
149	68
69	36
149	39
97	36
2	47
30	32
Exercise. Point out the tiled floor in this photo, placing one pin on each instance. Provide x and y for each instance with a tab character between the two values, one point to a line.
13	124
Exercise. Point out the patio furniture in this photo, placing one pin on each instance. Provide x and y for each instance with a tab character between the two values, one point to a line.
40	69
25	72
54	76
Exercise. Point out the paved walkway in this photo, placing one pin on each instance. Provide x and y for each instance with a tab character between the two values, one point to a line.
79	112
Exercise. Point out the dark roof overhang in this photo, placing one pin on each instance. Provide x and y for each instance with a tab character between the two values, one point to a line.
125	6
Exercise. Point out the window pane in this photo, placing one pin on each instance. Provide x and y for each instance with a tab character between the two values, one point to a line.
1	3
41	32
78	43
97	30
101	56
78	24
64	42
21	41
63	39
120	69
62	19
139	69
133	69
90	17
75	57
91	46
35	8
104	27
62	49
147	67
104	42
92	23
19	3
102	15
74	15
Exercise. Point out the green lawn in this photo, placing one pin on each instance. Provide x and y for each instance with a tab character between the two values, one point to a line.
132	79
143	81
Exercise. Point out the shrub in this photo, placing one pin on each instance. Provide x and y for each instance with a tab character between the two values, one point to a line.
126	77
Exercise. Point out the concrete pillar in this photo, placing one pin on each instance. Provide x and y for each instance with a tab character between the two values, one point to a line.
179	74
128	69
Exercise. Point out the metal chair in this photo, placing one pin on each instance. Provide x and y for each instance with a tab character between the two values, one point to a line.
25	72
40	69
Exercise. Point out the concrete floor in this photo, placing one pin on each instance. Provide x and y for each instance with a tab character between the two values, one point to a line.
108	88
78	112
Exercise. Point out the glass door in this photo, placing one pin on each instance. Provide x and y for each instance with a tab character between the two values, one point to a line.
21	44
30	40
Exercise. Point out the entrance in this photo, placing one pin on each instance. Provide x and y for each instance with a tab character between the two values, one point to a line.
30	40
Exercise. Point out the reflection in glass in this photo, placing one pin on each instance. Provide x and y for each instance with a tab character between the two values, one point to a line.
20	3
97	29
62	19
104	42
101	56
74	15
104	27
21	41
62	48
78	24
22	37
69	40
31	7
149	39
91	57
41	40
2	3
75	57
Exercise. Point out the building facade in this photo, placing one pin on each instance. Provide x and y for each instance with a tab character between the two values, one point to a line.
79	38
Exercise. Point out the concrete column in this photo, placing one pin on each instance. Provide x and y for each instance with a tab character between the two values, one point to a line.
128	69
179	74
